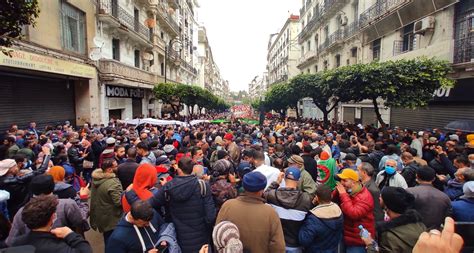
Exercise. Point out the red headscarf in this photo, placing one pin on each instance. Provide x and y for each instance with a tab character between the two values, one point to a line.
145	178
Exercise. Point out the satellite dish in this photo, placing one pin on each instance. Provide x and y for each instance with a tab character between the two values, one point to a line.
95	55
98	42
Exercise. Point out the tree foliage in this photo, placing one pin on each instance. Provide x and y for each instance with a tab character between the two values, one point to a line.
403	83
178	95
14	14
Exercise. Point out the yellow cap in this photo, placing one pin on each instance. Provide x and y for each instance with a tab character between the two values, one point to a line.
349	174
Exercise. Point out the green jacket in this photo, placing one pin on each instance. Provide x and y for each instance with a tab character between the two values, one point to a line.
11	152
307	183
106	205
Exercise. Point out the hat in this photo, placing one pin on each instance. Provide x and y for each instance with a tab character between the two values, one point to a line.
468	189
58	173
110	141
420	133
228	137
243	168
5	165
397	199
254	181
218	140
454	137
296	159
426	173
221	167
433	139
42	184
221	154
324	155
226	238
293	173
168	148
350	157
349	174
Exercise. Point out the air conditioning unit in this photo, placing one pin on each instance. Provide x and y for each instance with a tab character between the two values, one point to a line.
423	25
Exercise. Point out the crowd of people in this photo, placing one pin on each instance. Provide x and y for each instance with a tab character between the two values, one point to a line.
285	186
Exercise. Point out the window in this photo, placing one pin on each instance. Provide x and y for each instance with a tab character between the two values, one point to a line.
326	65
316	68
162	68
136	21
408	38
338	60
73	31
355	8
326	32
137	58
309	45
116	49
162	35
302	51
376	49
354	52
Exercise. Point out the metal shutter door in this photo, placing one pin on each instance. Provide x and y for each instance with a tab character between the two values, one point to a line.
368	116
349	114
434	116
45	101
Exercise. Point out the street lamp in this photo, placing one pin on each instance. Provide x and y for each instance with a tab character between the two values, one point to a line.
262	110
174	45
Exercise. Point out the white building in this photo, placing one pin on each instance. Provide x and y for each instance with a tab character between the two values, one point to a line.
258	86
283	52
343	32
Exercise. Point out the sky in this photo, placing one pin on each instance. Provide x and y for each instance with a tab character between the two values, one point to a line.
238	33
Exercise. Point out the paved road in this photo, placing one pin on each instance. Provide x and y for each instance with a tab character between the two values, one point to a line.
96	240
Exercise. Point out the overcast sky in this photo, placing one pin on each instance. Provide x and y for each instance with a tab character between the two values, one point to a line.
238	32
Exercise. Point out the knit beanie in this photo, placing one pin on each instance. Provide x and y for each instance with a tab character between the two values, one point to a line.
397	199
42	184
221	167
254	181
58	173
226	238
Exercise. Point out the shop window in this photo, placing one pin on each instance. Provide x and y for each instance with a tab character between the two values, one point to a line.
73	31
116	49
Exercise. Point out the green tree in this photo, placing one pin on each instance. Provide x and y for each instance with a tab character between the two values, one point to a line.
14	14
169	94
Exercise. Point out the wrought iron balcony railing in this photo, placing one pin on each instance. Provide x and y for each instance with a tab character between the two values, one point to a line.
378	9
464	50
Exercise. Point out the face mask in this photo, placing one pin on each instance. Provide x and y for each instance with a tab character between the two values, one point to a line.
349	191
219	148
389	170
199	160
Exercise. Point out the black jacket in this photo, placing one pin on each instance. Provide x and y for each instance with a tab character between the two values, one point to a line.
45	242
310	166
75	158
291	206
126	172
192	213
18	187
409	173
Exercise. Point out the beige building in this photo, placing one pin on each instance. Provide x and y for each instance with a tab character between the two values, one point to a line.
343	32
49	78
258	86
283	52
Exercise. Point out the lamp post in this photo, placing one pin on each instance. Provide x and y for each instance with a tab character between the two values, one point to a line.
262	110
175	45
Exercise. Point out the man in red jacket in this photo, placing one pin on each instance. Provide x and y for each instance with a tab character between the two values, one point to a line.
357	205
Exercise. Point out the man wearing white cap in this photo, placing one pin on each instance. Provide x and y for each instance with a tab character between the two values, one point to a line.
108	151
416	143
13	181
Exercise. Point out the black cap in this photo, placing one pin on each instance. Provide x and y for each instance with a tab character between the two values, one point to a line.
397	199
42	184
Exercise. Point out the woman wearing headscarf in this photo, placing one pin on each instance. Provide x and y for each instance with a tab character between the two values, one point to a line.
61	188
222	190
143	184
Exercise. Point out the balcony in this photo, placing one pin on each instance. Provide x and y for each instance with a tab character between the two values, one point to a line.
464	50
169	24
325	8
117	17
381	7
115	71
307	58
173	56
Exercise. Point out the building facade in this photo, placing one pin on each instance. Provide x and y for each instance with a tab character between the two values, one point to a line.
343	32
48	78
258	86
283	52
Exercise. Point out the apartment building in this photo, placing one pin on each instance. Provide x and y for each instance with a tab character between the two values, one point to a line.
283	52
49	78
258	86
343	32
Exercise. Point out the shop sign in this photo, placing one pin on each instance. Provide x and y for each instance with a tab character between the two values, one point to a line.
461	92
31	61
124	92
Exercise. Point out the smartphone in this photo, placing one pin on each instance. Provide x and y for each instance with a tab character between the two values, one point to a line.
466	231
162	248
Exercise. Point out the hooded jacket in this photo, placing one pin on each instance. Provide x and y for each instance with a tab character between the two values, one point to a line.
291	206
462	210
401	233
192	212
130	238
323	229
454	189
106	207
45	242
144	180
64	191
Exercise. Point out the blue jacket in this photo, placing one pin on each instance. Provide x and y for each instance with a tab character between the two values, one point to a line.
462	210
192	213
125	237
323	229
454	189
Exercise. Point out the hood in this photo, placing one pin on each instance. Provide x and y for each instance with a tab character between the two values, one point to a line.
182	188
410	216
59	186
145	178
330	214
455	183
288	198
99	177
